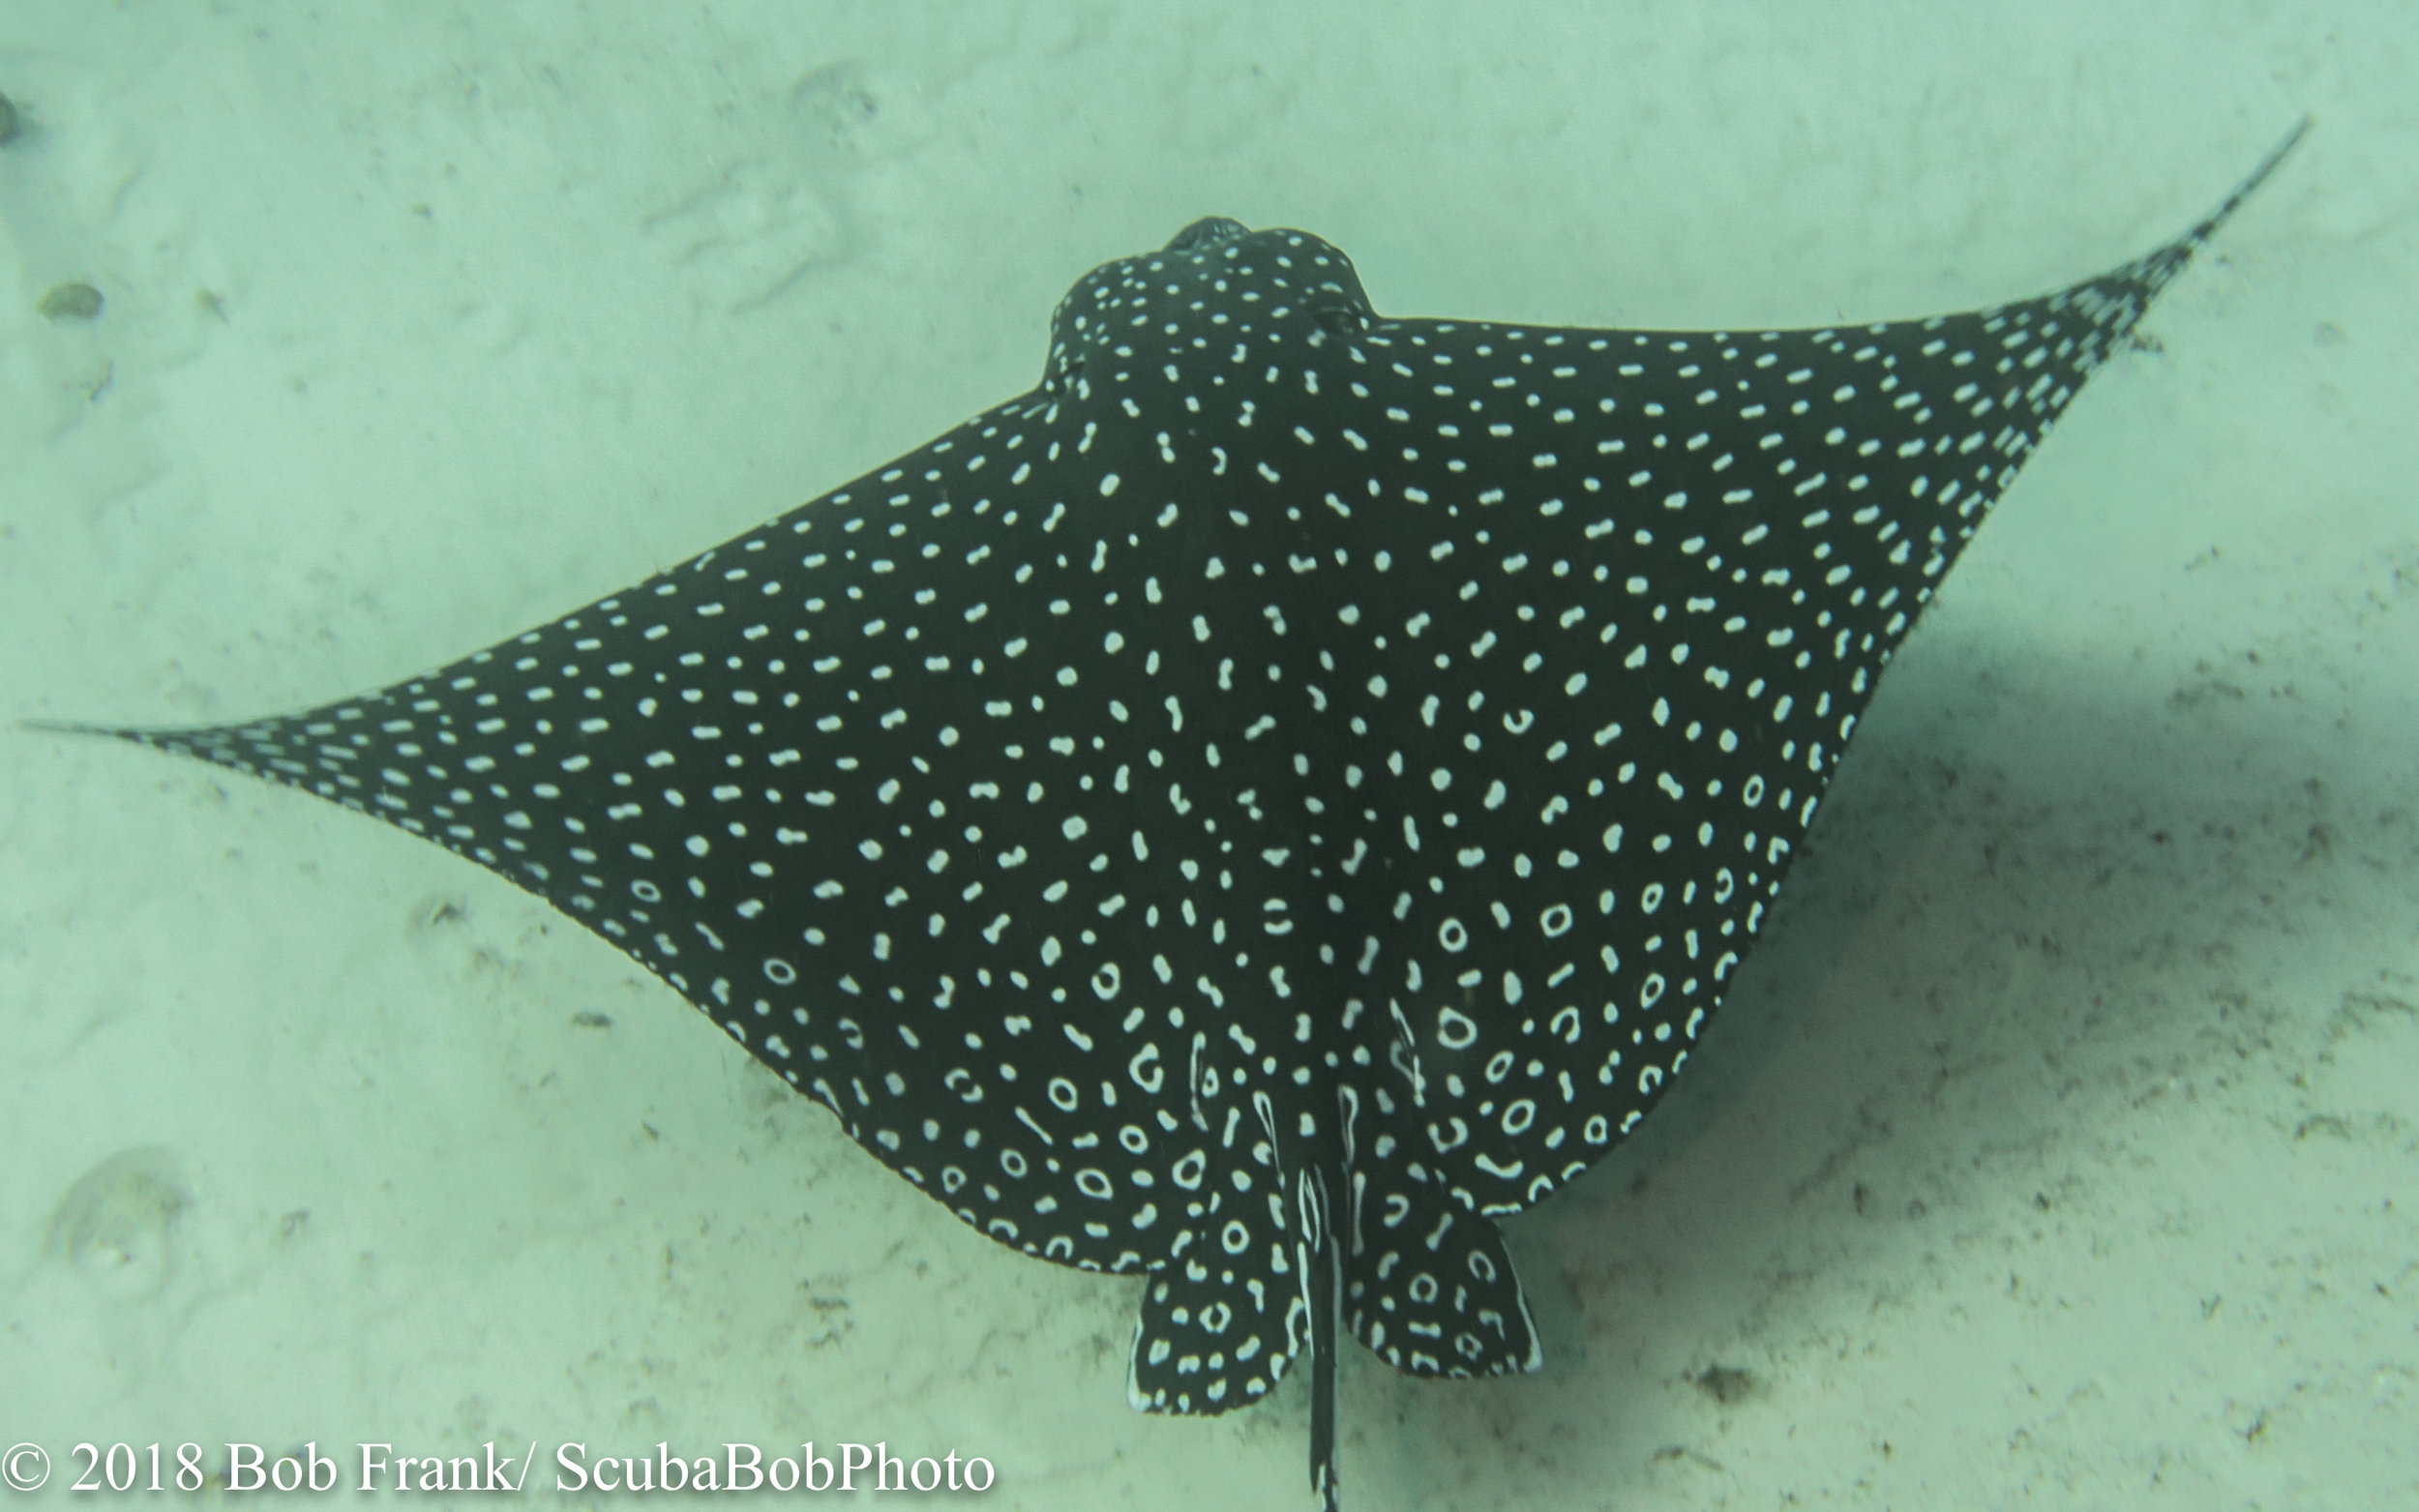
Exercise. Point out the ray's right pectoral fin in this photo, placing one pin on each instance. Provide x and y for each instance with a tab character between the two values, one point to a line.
1430	1290
1216	1331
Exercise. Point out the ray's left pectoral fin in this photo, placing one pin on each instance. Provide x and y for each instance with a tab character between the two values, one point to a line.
1430	1289
1217	1330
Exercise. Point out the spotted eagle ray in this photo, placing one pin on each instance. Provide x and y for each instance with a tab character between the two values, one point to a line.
1280	795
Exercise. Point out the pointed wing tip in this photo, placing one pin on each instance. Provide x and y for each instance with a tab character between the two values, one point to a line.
2250	183
2269	164
155	736
2292	138
197	741
75	728
2153	272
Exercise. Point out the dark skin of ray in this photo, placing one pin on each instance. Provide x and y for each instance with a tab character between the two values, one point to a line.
1279	794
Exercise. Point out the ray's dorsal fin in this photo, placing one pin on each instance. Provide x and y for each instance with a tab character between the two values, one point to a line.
1288	788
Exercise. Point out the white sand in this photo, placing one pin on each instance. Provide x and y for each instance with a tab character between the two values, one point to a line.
2056	1150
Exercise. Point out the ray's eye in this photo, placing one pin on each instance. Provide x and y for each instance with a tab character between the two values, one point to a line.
1339	320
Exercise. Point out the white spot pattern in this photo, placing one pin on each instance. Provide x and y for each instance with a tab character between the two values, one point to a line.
1289	787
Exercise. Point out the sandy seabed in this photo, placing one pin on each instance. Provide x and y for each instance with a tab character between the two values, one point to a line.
2056	1148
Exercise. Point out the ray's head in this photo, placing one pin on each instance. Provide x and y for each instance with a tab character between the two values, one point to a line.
1213	279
